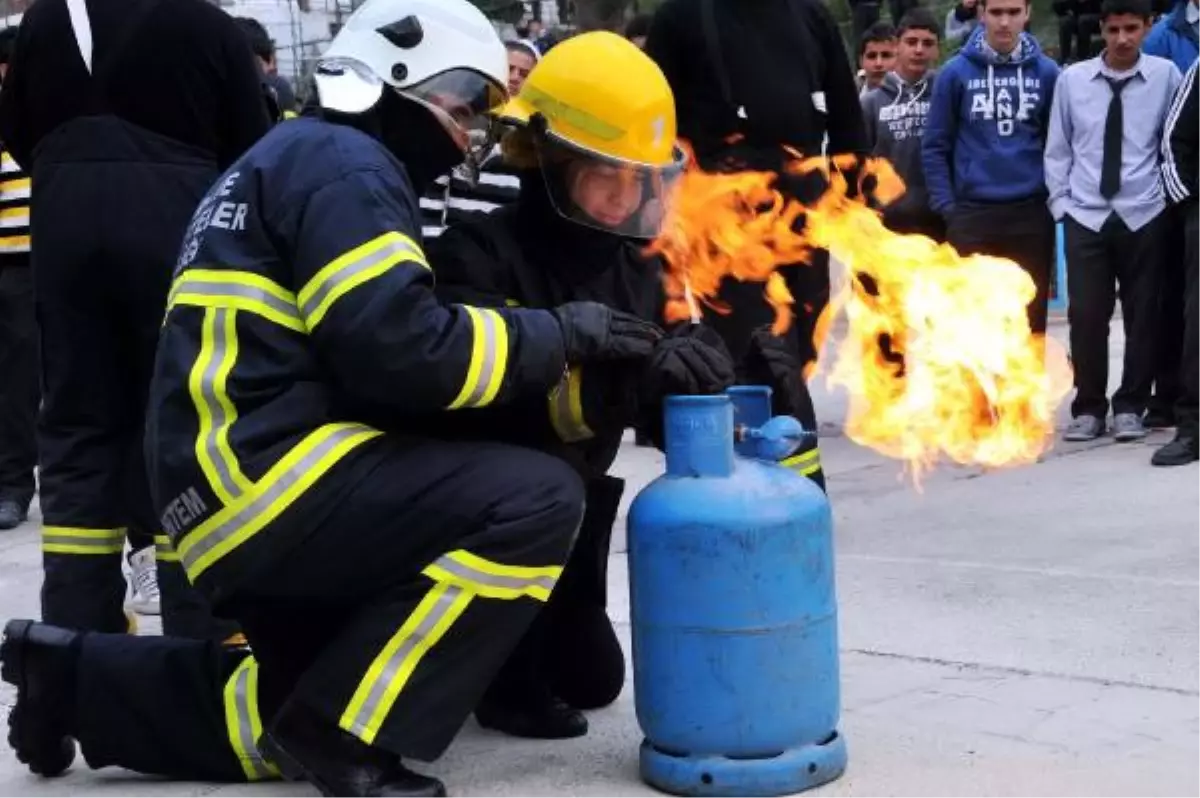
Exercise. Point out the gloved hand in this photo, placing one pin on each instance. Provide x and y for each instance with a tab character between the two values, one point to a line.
592	331
691	360
773	360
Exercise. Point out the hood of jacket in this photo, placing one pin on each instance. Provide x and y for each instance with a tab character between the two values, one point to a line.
978	51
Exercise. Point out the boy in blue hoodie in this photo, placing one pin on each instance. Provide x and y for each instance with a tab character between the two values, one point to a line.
983	143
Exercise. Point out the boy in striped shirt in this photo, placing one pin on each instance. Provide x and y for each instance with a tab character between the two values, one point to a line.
19	392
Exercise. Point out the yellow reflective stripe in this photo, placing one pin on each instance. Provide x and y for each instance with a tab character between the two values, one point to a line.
14	243
295	473
20	184
348	271
243	723
566	408
236	290
393	667
78	540
805	463
489	359
491	579
290	114
207	385
164	551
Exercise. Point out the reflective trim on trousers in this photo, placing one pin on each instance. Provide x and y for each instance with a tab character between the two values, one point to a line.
459	578
805	463
164	550
287	480
79	540
345	273
566	408
243	723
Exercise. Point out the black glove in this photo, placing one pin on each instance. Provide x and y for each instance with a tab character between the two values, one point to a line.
691	360
592	331
772	360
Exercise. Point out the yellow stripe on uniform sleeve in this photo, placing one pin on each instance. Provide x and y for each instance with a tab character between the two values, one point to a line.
805	463
566	408
489	359
348	271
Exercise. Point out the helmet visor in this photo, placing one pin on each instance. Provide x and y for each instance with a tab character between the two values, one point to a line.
464	101
616	196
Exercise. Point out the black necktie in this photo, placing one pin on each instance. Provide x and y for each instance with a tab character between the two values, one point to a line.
1114	128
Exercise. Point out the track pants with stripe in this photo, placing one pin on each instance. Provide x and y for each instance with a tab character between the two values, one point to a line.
113	202
389	621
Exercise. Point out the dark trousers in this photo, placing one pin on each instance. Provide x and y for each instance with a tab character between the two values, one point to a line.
1020	231
1172	293
20	391
389	622
109	220
571	650
1102	266
1077	30
1187	409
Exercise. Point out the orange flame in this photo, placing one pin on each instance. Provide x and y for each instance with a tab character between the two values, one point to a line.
966	378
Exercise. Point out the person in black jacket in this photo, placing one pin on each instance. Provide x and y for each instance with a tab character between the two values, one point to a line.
124	114
587	205
750	78
1078	24
586	208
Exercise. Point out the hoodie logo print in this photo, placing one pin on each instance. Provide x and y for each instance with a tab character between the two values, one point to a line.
1004	100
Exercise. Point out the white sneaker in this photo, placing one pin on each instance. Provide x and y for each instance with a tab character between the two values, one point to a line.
144	581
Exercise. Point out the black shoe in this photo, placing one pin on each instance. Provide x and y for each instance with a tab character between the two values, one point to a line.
305	747
1181	451
40	661
546	718
11	514
1158	419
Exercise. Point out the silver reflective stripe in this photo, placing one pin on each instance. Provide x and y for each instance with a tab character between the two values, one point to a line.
216	409
191	554
378	701
251	293
246	743
506	584
310	304
489	322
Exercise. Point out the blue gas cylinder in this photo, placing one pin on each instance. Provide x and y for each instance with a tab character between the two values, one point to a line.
735	647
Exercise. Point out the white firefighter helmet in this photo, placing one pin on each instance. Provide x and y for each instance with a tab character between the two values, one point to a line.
444	54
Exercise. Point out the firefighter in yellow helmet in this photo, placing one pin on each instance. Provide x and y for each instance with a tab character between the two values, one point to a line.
594	146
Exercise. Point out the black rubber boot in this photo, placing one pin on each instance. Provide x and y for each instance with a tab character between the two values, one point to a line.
41	661
536	717
306	748
1181	451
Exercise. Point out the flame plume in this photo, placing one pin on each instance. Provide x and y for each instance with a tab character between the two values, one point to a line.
965	378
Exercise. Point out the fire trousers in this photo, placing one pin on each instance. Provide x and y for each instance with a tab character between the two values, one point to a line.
112	206
389	621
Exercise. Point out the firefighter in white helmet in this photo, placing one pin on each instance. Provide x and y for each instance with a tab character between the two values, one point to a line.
381	577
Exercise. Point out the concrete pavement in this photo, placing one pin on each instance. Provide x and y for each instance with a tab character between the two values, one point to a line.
1019	632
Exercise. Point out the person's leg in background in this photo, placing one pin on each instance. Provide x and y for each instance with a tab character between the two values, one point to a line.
1091	294
863	14
1022	232
1136	257
20	394
1068	32
81	435
1169	343
1087	27
1185	448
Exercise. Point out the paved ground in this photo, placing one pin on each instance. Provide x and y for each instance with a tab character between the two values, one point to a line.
1024	632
